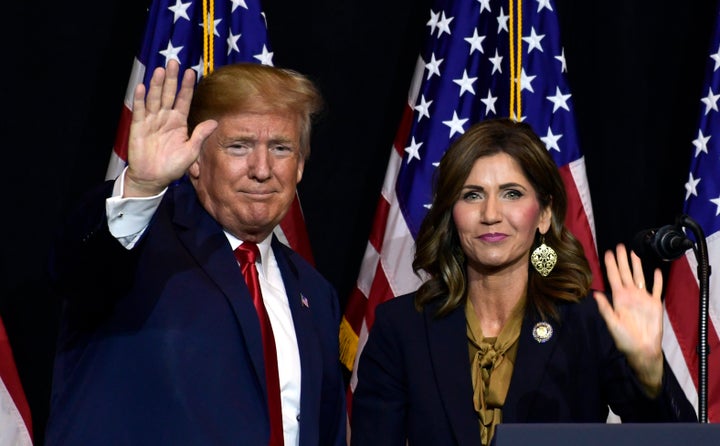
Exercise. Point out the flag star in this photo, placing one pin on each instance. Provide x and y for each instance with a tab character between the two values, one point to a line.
503	21
551	140
484	4
716	201
489	102
496	61
232	42
691	186
700	143
563	63
179	10
236	3
710	101
423	108
533	40
265	57
455	124
475	42
716	58
559	100
544	4
433	22
444	24
413	150
198	69
215	25
171	53
433	66
465	83
526	82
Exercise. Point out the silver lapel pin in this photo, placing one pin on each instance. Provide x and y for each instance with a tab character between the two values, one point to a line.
542	332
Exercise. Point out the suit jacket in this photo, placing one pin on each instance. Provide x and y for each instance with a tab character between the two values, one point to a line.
414	379
161	345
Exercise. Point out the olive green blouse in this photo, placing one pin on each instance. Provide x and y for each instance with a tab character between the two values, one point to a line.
491	362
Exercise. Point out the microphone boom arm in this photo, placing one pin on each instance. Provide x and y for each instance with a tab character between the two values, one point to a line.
703	348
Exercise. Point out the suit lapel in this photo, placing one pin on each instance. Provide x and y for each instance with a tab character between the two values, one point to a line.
448	345
529	369
206	242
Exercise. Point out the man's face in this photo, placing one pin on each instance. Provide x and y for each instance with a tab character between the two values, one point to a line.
248	170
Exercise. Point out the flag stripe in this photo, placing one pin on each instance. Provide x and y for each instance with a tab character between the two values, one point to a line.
15	417
381	216
118	158
577	213
675	357
684	313
294	231
120	149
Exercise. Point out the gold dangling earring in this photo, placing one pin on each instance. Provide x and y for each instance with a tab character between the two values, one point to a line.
543	258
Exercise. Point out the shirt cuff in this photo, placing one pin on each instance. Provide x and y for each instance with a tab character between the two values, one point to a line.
129	217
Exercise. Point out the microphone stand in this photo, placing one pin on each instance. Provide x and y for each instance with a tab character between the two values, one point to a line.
703	272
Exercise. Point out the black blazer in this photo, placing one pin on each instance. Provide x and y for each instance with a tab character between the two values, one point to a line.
414	379
161	345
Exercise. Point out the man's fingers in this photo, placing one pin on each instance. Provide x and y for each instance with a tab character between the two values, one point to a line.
169	87
138	111
163	91
154	93
202	131
184	96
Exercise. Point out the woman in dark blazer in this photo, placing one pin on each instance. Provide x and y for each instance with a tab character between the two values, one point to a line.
505	329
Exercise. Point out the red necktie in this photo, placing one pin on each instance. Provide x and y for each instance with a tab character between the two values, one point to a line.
246	255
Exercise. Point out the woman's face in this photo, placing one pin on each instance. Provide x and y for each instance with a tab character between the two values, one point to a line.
497	215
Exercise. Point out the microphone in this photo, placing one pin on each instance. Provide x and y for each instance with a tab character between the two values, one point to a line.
667	243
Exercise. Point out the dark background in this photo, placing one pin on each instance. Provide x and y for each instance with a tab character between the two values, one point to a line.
635	68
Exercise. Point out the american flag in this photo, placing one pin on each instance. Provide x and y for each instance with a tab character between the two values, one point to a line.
15	419
702	204
176	30
482	59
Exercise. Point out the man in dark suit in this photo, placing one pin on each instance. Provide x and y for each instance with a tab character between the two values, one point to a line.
160	343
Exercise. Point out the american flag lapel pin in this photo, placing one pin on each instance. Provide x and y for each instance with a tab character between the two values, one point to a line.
304	301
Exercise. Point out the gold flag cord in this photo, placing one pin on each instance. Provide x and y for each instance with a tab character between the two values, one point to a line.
515	59
208	36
